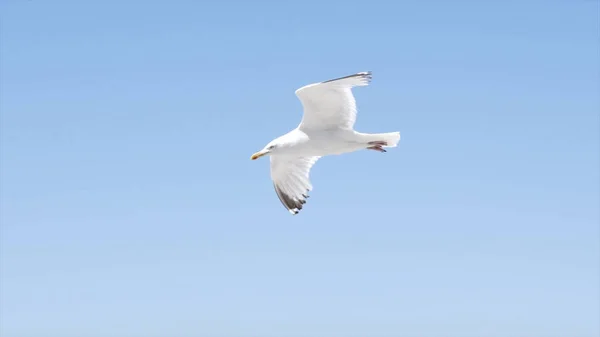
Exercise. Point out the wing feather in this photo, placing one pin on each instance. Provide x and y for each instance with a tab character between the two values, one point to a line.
331	104
291	180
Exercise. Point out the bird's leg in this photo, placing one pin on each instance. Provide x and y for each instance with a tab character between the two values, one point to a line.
378	143
377	146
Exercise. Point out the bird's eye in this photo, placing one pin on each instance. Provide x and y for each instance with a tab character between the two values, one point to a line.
271	147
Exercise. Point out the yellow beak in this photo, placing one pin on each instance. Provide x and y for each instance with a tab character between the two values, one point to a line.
258	154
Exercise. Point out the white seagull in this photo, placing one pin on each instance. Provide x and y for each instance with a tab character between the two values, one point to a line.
327	128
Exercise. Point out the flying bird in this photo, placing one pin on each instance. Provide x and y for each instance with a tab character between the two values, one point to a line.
327	128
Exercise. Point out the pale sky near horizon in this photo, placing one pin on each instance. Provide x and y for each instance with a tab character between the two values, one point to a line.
129	206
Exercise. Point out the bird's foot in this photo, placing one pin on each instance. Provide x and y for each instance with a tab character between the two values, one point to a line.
377	146
378	143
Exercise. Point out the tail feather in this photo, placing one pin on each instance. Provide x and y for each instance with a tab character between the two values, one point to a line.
392	138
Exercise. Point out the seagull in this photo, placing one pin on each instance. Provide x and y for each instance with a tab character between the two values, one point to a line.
326	128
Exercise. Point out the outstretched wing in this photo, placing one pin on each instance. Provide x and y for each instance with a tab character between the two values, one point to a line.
290	177
331	104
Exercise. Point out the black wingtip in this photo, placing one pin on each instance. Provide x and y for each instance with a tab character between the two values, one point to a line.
367	74
291	204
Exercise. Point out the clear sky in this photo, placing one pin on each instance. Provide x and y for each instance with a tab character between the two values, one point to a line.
130	207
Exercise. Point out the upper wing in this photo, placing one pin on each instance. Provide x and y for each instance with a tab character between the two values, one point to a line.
290	177
331	104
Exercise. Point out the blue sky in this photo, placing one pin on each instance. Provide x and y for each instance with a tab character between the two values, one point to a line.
130	207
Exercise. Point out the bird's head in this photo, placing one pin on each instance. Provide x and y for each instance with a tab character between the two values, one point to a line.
267	150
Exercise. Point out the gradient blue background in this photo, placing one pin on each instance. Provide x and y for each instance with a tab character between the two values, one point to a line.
130	207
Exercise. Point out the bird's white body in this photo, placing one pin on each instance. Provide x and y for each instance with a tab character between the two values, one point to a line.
327	128
303	143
